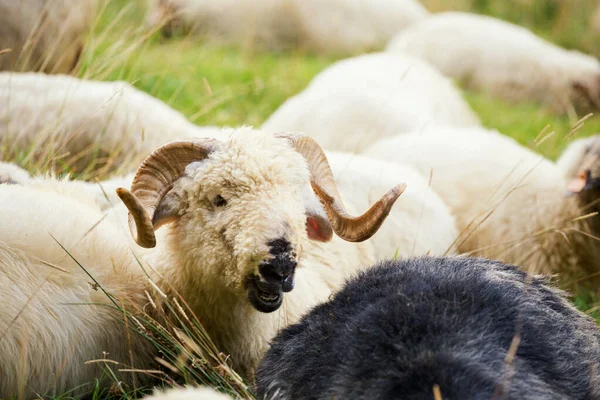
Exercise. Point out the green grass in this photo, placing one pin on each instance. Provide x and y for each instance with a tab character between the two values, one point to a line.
215	85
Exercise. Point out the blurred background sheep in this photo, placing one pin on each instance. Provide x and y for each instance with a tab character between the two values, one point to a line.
44	35
326	26
146	72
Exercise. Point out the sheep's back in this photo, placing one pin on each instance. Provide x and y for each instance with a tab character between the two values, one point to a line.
402	327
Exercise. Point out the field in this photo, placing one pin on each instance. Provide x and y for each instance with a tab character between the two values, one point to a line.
215	85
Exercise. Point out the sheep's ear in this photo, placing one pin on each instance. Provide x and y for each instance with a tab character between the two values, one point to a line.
318	227
582	183
167	210
578	184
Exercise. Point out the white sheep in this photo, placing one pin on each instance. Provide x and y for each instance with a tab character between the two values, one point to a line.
44	35
510	203
327	26
421	223
502	59
85	122
237	216
359	178
102	194
357	101
13	174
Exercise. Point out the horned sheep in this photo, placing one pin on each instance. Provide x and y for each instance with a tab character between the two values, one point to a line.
359	100
510	202
326	26
87	122
359	178
238	217
425	328
44	35
502	59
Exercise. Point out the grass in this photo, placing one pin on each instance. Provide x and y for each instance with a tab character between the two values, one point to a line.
215	85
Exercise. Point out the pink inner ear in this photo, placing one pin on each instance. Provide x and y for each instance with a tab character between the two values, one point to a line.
577	185
318	229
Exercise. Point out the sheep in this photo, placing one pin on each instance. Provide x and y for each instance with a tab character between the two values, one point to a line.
237	217
570	161
429	327
188	393
509	202
109	124
44	35
361	179
503	60
331	26
101	194
357	101
13	174
420	224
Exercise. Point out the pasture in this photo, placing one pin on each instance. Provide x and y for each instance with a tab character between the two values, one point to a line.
228	86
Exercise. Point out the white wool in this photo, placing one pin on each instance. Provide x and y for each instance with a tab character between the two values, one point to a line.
328	26
420	222
205	255
50	323
52	32
570	159
509	202
188	393
357	101
82	116
503	59
11	173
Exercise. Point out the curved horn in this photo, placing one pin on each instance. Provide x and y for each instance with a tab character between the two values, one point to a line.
153	180
347	227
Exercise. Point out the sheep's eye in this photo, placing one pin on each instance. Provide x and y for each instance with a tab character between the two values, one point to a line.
219	201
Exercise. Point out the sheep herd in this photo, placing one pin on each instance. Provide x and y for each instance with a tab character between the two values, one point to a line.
372	240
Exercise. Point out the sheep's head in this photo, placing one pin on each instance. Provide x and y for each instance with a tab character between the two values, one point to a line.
248	205
585	91
581	163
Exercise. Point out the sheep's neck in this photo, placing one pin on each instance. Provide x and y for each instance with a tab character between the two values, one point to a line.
234	326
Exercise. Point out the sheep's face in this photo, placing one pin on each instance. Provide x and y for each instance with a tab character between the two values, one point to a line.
248	209
583	169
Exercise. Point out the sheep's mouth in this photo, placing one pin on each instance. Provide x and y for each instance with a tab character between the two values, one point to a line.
264	298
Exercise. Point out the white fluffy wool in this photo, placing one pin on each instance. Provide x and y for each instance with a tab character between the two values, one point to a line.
327	26
502	59
205	256
13	174
509	202
359	100
63	114
52	33
420	222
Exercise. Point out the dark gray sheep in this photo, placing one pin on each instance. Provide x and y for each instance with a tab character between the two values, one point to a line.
403	327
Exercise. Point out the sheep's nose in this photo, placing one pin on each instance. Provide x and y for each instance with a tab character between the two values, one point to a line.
280	267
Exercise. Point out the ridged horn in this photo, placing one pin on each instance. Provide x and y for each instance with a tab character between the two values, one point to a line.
153	180
347	227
